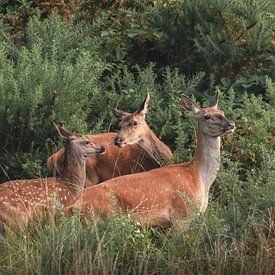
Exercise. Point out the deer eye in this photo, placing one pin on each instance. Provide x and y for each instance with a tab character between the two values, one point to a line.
135	123
206	116
87	142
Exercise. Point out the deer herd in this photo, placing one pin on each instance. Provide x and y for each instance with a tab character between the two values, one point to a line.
97	174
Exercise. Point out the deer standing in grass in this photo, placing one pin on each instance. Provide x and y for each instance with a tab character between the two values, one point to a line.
21	200
164	195
145	150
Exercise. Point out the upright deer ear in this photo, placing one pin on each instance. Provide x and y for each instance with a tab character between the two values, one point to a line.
189	106
64	132
118	113
143	109
214	101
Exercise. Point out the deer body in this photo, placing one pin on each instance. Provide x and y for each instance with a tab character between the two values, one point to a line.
21	200
151	200
163	195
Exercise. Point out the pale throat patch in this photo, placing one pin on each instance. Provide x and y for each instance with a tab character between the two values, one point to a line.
210	157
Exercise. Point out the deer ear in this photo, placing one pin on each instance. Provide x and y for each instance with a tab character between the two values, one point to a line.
214	101
189	106
118	113
143	109
64	132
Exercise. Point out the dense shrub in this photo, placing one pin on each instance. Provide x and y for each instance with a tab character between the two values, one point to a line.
226	39
220	37
43	83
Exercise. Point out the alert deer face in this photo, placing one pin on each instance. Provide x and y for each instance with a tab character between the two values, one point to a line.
211	120
133	127
82	146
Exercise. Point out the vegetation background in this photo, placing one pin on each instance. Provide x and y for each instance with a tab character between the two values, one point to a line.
70	61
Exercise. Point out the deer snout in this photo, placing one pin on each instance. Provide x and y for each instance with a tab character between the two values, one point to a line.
118	141
101	150
230	127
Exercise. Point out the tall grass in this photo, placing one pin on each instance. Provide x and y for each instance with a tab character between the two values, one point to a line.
119	246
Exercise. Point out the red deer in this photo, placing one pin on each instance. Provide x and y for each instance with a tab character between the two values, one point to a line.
121	161
134	130
164	195
21	200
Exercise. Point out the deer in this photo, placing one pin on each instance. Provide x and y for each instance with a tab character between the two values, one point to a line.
169	194
21	200
142	152
135	130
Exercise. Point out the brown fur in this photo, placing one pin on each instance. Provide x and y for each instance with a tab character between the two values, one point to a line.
21	200
154	197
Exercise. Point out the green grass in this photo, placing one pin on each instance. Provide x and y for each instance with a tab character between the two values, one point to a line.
118	245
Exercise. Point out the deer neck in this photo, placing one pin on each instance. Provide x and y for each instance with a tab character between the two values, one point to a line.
155	147
74	171
207	159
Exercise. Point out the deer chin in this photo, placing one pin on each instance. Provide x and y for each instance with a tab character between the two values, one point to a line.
223	131
121	145
126	142
97	151
228	131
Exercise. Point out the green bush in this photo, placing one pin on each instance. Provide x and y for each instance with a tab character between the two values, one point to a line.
222	38
43	83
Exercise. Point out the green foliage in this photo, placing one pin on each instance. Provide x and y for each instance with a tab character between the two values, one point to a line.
222	38
41	85
68	247
228	40
60	40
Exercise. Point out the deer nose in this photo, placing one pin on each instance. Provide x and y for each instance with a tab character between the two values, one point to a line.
117	141
101	150
231	125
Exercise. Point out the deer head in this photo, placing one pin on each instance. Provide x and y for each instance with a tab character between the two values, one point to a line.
81	145
212	121
133	127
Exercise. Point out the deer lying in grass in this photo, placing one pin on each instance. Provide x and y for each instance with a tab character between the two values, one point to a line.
21	200
121	161
163	195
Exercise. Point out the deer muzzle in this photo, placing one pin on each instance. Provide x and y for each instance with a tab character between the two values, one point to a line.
118	141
